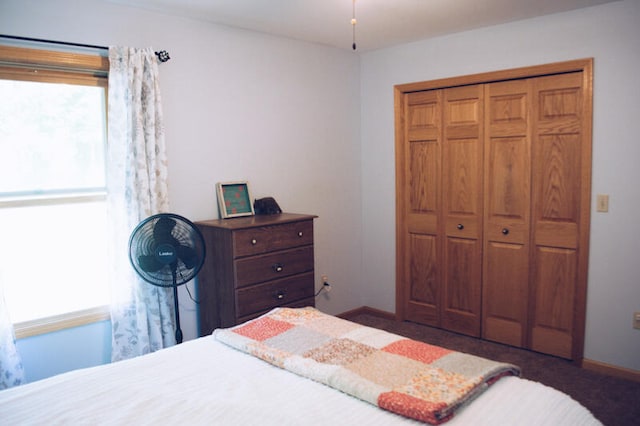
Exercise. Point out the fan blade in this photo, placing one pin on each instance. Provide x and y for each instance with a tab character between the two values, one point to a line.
162	230
149	263
188	256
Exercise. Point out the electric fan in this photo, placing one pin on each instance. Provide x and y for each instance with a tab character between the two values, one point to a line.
167	250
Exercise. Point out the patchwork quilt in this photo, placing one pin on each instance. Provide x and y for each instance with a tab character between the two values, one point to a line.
411	378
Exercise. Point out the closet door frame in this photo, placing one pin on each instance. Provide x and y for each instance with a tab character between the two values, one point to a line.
585	66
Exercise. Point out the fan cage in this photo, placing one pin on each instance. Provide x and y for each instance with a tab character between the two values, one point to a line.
143	243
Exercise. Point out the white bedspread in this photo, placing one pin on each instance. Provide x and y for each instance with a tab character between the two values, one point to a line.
203	382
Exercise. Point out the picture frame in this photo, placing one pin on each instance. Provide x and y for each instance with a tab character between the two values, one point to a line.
234	199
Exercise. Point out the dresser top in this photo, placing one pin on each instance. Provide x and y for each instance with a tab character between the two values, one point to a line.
256	220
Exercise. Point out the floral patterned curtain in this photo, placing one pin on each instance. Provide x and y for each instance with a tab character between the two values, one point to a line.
141	314
11	371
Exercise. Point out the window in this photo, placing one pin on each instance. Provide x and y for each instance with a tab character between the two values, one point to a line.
52	188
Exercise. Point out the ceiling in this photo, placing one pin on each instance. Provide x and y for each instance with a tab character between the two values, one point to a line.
380	23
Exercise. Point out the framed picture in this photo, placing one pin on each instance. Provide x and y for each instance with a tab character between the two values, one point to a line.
234	199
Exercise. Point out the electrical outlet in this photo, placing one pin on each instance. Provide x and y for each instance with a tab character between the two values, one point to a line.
325	283
636	320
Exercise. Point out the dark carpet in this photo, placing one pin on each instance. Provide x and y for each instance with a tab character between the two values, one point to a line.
611	400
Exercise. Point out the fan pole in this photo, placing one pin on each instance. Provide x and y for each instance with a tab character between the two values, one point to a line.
175	304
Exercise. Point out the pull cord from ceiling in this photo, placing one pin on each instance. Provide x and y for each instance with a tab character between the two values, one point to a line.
353	23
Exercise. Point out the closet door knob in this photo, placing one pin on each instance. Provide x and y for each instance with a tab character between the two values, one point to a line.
505	231
460	226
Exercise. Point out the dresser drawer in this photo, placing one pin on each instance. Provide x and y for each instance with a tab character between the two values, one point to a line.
264	239
253	270
262	297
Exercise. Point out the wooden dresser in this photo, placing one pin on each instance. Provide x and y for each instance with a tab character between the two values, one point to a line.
254	264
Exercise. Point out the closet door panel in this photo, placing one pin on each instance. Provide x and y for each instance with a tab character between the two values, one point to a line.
462	167
463	180
424	291
507	212
420	252
552	330
561	196
507	206
423	181
558	154
462	154
461	306
506	273
508	161
422	159
558	185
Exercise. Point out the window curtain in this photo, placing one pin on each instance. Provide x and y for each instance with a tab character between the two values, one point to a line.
11	371
142	315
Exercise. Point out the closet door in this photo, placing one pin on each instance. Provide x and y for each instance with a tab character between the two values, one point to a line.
493	184
462	170
561	202
419	290
507	212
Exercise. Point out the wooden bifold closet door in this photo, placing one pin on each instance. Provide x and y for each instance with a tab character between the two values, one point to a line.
507	195
462	208
493	202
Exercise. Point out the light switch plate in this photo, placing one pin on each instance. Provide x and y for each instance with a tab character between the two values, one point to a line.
602	203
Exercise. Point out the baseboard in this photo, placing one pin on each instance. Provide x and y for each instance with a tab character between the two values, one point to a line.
366	310
611	370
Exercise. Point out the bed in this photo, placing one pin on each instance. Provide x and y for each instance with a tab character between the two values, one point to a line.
237	377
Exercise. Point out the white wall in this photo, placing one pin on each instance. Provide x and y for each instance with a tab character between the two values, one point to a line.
238	105
611	35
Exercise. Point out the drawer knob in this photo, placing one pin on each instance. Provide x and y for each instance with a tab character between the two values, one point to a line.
254	241
280	294
460	226
277	267
300	233
505	231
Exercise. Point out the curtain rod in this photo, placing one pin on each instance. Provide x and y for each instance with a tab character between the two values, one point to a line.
163	55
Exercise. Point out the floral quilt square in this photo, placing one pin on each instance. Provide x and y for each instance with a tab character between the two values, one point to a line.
339	352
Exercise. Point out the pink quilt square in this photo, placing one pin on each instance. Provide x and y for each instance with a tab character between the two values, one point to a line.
419	351
412	407
263	328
